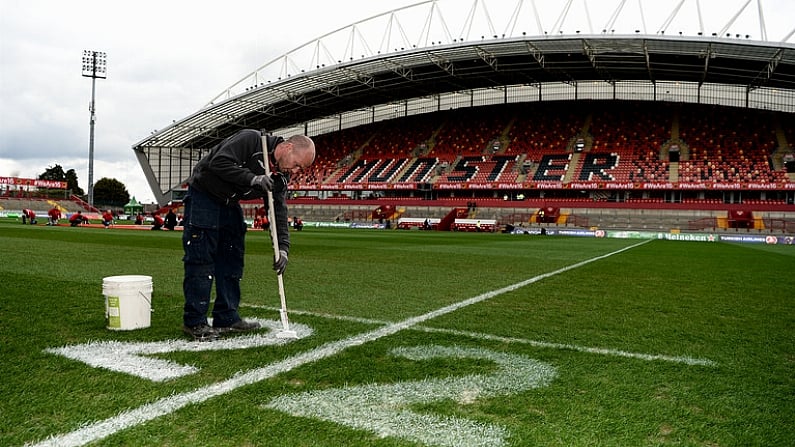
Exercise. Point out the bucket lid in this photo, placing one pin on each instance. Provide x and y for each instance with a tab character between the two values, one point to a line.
127	279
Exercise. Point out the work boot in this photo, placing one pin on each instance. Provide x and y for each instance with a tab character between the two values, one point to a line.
239	326
201	332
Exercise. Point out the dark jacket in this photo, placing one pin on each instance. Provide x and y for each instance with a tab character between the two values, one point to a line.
225	174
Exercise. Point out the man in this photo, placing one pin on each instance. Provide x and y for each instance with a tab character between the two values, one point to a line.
76	219
170	220
28	214
107	219
55	214
157	222
214	230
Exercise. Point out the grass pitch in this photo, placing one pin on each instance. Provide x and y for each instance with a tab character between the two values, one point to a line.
663	343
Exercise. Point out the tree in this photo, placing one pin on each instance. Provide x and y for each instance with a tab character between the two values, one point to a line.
111	192
56	173
71	183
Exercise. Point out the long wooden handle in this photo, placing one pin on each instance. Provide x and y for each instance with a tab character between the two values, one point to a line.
271	212
272	226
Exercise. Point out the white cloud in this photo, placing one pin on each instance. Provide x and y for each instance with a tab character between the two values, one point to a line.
165	61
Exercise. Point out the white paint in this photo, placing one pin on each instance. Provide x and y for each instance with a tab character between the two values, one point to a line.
132	358
92	432
385	409
590	350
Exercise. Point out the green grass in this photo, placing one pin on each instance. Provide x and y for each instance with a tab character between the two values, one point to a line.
732	305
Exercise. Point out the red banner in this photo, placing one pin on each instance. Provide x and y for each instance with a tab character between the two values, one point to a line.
51	184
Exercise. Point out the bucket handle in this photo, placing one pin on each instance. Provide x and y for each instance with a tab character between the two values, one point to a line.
148	300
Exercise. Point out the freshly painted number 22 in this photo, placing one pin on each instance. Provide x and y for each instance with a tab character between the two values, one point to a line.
386	409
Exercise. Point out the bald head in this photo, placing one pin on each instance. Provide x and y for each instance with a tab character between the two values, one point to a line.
295	154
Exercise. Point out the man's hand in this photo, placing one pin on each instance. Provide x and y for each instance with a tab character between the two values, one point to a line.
280	265
263	182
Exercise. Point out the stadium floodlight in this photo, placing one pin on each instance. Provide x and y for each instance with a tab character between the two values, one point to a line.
94	66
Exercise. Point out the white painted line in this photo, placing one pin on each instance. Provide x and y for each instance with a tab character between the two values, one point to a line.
590	350
134	358
540	344
131	418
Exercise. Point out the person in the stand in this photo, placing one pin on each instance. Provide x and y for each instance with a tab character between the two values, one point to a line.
214	229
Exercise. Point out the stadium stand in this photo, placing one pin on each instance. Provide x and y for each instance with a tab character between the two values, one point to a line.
712	149
624	143
705	159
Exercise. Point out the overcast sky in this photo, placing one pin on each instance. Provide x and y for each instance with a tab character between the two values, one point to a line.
166	60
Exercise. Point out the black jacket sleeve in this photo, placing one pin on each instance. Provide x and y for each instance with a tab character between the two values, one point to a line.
234	161
226	172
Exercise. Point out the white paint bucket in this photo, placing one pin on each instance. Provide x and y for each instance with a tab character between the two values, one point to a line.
128	301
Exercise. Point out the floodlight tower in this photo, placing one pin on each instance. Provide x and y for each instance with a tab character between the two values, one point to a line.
94	66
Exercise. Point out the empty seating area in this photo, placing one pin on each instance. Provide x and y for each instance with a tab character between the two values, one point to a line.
333	150
728	146
538	130
635	135
40	205
469	132
505	147
718	166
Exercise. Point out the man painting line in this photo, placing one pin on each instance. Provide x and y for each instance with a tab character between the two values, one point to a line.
214	229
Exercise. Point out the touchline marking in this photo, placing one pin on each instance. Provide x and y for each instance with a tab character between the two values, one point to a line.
540	344
147	412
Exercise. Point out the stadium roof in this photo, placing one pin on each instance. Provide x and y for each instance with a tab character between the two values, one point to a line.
316	89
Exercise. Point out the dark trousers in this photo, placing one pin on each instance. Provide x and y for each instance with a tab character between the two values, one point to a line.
214	243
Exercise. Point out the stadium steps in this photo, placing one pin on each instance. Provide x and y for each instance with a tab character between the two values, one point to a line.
447	221
573	165
673	171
